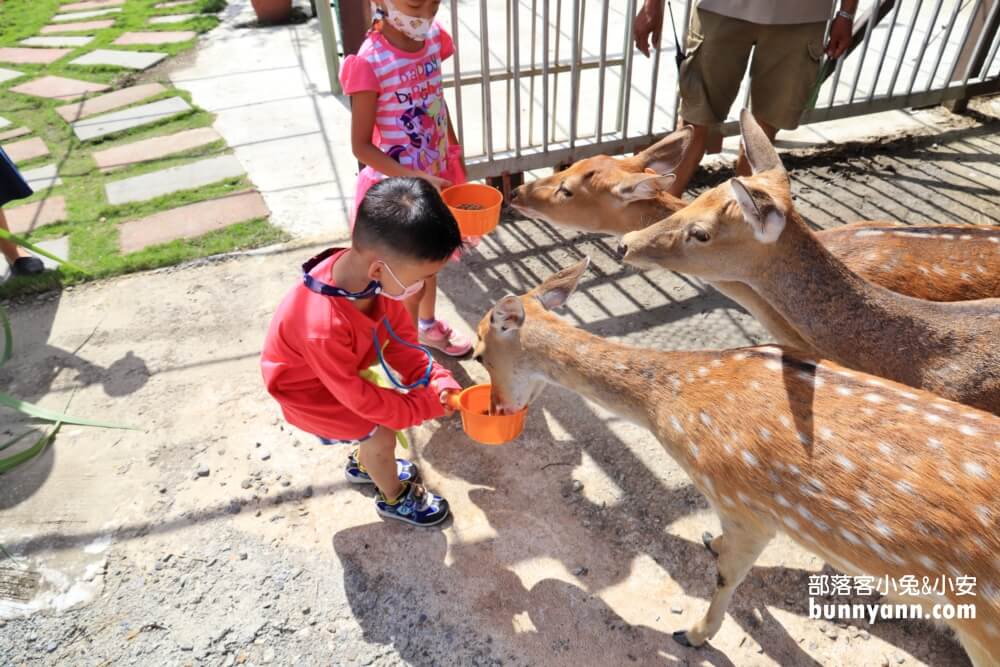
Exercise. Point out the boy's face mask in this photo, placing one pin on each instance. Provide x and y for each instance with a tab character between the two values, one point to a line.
407	292
414	27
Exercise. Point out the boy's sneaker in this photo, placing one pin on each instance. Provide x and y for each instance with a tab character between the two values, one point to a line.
442	337
355	474
415	505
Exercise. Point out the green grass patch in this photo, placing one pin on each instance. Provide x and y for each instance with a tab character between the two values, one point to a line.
92	224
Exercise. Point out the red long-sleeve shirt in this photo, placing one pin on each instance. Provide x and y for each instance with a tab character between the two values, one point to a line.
315	348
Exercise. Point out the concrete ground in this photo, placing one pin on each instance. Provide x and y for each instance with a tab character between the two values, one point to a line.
217	535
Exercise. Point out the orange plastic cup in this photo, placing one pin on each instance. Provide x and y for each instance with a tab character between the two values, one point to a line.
479	221
484	428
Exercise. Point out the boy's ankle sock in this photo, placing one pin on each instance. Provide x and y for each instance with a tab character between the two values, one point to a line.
402	492
424	325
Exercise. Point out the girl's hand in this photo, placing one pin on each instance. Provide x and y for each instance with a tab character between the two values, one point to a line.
437	181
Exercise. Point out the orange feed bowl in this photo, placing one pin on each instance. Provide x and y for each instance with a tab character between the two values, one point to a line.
486	429
483	207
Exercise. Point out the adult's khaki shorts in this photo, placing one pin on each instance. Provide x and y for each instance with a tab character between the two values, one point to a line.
782	74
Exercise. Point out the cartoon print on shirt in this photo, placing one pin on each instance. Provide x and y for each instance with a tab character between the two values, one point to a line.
421	126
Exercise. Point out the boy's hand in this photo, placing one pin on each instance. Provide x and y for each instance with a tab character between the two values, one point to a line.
449	399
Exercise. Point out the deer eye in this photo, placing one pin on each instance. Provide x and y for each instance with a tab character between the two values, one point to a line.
699	234
563	190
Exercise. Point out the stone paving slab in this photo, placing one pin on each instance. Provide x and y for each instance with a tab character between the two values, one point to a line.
13	134
190	221
173	18
42	178
76	27
8	74
61	18
13	54
4	122
58	40
91	5
175	3
58	247
174	179
59	87
129	59
154	148
165	37
99	126
27	149
109	101
28	217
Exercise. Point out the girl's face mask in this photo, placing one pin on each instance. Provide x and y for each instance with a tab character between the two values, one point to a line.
414	27
407	292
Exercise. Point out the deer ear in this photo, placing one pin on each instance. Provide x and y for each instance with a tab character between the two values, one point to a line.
760	152
638	187
558	287
759	210
508	314
664	156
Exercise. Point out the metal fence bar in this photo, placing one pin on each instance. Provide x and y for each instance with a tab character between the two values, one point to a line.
872	20
652	88
509	41
885	49
555	77
459	129
484	52
545	75
947	37
627	77
923	47
575	73
602	66
531	83
906	45
684	34
517	77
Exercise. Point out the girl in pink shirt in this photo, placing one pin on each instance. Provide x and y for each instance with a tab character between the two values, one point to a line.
400	124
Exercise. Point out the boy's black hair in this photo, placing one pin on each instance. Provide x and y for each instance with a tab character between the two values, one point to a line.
407	216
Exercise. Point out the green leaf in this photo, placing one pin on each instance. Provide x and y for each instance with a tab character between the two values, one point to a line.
13	441
8	339
51	415
11	462
4	234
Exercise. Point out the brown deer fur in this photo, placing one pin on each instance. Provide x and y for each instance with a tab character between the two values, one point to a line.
873	476
747	230
616	196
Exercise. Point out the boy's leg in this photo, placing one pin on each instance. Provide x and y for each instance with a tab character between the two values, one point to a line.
378	455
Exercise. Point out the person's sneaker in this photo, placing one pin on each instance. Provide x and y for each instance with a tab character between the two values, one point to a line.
415	505
442	337
27	266
355	474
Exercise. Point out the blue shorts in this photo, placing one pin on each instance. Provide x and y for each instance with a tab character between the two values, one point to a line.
356	441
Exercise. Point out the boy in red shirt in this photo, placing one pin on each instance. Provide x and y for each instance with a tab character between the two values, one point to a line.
347	314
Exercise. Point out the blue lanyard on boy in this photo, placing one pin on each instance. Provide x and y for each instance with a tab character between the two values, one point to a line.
373	289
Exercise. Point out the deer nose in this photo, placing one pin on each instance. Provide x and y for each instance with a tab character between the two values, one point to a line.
622	249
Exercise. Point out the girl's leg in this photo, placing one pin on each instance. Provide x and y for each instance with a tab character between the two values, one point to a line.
378	456
428	300
413	305
10	250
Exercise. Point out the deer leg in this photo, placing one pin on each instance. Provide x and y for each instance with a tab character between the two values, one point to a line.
738	548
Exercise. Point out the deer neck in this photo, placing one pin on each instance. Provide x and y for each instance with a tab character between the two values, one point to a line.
832	308
619	378
641	214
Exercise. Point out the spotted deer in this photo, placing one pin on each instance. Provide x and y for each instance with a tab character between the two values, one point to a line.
875	477
747	230
620	195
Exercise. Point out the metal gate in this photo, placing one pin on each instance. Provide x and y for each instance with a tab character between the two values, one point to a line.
546	82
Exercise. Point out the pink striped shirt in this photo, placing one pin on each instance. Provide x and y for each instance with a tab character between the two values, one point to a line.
411	119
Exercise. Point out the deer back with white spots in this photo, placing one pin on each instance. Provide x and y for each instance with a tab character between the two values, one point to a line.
747	230
875	477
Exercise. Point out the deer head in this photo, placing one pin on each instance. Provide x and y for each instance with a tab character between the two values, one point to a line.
729	230
516	381
606	194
